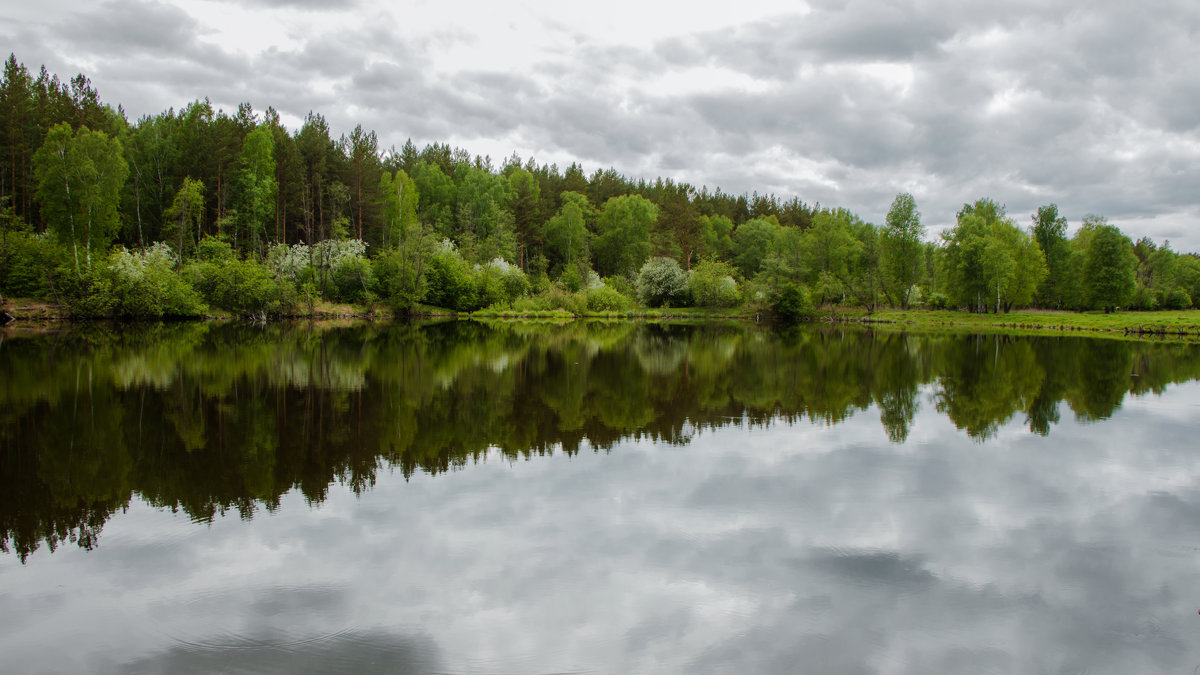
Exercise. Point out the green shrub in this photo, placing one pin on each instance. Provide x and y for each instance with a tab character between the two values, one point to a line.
243	287
1146	299
353	280
621	285
553	298
396	280
28	262
142	285
607	299
500	282
712	285
571	279
1178	298
489	290
450	281
214	250
661	282
937	301
792	304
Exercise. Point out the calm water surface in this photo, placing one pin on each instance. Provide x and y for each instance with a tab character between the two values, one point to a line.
596	498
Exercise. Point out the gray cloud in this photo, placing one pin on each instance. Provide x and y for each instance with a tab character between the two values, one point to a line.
1094	107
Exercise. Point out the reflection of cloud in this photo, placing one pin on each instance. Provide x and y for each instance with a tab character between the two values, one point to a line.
344	652
749	550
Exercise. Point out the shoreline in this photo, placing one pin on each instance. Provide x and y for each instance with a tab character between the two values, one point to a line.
1182	325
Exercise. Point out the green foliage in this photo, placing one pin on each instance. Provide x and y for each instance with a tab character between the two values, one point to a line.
661	282
572	280
79	176
450	281
752	241
716	233
901	251
988	262
482	219
792	304
567	234
608	299
353	281
500	282
553	298
182	225
138	285
256	189
436	193
623	235
1109	269
1057	290
29	264
1177	298
712	285
937	301
243	287
1145	299
831	248
214	250
182	176
398	282
525	203
398	200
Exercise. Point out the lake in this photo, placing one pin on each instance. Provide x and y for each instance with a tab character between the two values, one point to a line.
595	498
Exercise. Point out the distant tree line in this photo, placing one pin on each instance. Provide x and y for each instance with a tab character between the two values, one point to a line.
197	208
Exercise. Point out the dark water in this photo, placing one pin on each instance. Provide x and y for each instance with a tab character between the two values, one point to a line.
608	498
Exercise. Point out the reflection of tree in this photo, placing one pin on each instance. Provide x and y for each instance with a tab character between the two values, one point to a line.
985	380
208	419
898	375
1103	380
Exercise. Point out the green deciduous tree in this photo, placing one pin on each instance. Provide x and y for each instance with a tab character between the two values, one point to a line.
1050	233
831	247
623	235
182	225
752	242
988	262
1110	266
80	175
716	232
712	285
567	233
398	199
901	252
256	187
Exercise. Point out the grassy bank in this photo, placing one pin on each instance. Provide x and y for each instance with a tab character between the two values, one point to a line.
658	313
1184	323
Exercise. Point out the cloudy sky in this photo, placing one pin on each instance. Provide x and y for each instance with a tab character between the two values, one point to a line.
1094	106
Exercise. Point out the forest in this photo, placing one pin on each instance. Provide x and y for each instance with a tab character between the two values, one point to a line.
195	210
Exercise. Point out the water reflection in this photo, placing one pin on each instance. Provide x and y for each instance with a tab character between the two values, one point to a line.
713	538
208	419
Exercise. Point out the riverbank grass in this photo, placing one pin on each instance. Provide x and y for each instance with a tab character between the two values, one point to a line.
1182	322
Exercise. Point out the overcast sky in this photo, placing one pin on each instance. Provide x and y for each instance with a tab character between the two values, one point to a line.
1094	106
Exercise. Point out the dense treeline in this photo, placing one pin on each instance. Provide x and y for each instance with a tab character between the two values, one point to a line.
197	208
208	418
